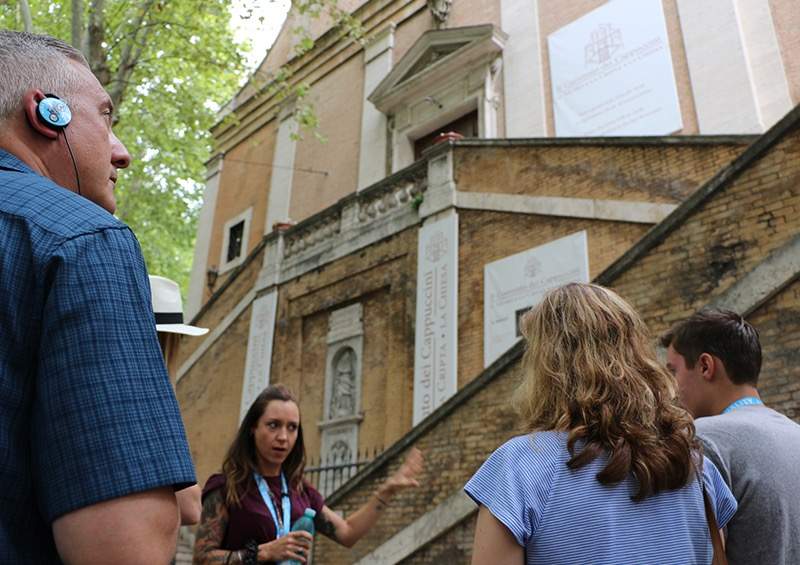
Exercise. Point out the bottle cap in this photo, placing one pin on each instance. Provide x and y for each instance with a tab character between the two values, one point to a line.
310	512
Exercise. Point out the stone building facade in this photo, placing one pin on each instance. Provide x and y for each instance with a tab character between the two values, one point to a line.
357	270
733	243
363	254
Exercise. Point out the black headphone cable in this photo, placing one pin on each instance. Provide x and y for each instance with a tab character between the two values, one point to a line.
74	165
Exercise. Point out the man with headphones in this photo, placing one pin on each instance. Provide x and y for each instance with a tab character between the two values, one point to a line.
92	447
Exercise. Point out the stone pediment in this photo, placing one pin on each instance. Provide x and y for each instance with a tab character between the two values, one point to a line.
437	55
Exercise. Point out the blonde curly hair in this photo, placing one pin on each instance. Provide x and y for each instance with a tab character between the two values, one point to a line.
591	370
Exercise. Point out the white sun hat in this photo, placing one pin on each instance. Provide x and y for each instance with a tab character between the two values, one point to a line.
168	308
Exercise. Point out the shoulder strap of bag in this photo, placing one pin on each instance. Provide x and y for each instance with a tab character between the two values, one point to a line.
713	529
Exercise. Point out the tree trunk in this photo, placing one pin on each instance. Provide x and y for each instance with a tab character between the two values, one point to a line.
96	36
77	24
25	10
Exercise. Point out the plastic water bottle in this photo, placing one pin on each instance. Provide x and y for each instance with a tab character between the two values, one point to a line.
305	523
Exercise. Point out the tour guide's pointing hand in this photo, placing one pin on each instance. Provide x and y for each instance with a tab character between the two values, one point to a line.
406	475
294	545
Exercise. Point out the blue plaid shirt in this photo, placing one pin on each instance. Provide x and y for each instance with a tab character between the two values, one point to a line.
87	412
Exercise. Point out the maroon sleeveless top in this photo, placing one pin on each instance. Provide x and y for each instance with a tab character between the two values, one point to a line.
251	520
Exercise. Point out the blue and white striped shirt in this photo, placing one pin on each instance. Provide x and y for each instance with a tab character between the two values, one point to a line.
563	516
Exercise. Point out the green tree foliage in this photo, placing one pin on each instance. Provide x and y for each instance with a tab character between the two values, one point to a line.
168	66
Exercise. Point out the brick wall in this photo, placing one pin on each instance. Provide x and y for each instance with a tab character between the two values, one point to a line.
240	281
382	278
641	171
454	448
209	397
337	102
488	236
244	183
786	19
720	241
778	324
454	546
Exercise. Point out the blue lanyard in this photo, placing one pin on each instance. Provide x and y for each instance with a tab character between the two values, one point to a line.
746	401
286	504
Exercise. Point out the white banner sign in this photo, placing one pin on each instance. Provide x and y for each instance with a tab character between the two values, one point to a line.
259	349
435	377
514	284
611	73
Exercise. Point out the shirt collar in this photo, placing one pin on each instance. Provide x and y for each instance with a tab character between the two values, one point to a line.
13	163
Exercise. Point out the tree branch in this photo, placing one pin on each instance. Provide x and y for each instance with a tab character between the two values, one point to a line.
25	10
131	51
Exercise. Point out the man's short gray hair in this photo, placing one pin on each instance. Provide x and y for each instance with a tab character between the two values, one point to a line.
30	61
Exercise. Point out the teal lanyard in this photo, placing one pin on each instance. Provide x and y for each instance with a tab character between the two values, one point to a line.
281	529
746	401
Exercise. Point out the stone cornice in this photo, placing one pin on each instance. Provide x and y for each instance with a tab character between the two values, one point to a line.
646	141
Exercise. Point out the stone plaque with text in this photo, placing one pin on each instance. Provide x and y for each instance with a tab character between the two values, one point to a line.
259	349
435	371
611	73
514	284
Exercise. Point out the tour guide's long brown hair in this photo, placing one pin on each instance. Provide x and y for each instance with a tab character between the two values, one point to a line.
591	370
241	460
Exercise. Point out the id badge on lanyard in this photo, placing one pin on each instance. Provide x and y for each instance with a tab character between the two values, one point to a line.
281	529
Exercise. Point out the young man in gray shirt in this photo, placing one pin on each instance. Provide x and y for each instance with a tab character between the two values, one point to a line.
715	356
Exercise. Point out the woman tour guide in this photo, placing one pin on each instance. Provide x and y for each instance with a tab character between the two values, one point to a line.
249	508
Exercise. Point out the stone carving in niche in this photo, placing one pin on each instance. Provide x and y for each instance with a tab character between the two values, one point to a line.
343	390
340	453
342	402
440	9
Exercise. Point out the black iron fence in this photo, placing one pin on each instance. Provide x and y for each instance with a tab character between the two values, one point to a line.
329	473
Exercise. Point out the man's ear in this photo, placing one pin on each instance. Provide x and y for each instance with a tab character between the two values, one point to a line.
30	100
707	364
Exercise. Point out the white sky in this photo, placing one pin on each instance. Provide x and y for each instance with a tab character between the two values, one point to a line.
258	21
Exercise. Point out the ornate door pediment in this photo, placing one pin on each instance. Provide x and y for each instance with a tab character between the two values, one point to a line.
435	58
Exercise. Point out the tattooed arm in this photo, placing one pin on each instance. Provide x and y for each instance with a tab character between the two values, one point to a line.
324	523
211	531
348	531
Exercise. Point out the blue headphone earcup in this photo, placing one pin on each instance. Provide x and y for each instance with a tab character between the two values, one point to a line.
54	112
